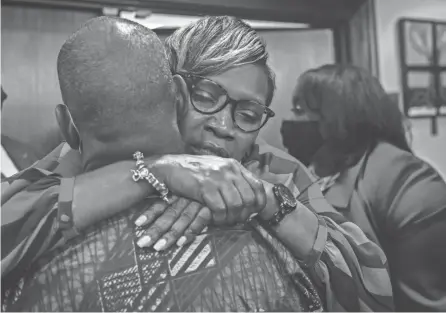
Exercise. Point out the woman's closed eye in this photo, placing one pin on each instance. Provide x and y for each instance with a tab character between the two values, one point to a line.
249	116
202	95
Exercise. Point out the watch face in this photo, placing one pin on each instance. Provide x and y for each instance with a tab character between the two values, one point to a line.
287	196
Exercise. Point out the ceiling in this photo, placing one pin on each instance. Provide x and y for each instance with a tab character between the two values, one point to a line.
161	21
316	13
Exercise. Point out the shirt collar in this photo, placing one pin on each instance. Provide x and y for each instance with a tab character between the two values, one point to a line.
70	163
340	193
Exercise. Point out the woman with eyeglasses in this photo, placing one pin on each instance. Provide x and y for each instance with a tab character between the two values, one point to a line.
369	173
224	90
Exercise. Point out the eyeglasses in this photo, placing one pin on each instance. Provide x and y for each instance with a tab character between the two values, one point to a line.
208	97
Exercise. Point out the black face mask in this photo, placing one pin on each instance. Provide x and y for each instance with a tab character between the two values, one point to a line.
302	139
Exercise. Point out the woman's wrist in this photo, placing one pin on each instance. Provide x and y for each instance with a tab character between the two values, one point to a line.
298	229
272	205
299	232
159	166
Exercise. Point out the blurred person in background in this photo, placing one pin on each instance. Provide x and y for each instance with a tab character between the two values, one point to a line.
370	175
16	156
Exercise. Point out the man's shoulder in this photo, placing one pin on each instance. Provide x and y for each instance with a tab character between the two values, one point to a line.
62	160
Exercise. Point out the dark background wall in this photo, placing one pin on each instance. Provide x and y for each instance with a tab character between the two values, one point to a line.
31	39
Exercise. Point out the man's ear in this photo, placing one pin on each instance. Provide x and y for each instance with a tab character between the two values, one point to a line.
67	128
182	94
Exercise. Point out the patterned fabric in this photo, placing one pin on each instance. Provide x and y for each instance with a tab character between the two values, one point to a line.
242	270
349	269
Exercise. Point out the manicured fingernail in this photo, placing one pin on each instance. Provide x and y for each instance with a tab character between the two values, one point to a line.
160	244
141	220
144	241
181	241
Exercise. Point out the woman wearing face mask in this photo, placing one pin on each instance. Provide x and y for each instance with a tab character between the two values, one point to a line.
370	175
224	89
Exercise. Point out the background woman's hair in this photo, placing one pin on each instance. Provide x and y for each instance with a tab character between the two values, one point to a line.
215	44
355	113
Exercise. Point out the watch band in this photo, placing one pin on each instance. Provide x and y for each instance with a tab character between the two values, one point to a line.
276	219
287	204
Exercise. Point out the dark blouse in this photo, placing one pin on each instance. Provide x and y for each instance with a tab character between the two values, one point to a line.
399	201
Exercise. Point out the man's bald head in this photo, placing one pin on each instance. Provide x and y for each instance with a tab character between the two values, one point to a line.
114	78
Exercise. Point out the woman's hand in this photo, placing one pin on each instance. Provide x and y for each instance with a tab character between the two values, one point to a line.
229	194
223	185
179	222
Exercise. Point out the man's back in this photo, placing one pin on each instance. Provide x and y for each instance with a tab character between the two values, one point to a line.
237	269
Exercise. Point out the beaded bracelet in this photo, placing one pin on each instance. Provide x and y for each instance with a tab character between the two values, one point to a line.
142	172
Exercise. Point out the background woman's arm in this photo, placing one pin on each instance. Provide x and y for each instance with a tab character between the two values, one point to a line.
350	269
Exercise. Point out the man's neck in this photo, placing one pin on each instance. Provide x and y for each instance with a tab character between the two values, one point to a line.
96	154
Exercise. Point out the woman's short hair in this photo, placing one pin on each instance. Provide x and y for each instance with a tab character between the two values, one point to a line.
354	109
215	44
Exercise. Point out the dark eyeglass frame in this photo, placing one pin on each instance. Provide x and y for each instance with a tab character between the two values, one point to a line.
192	79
